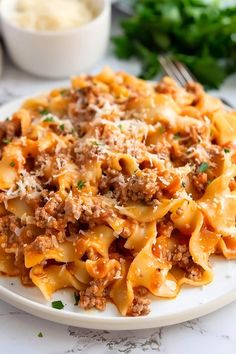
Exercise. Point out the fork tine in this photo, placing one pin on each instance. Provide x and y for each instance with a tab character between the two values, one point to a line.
180	73
177	73
170	69
187	75
166	67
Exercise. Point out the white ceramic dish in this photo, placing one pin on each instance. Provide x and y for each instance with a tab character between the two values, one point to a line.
190	303
57	54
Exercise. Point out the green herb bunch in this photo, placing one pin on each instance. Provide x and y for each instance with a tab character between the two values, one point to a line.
202	34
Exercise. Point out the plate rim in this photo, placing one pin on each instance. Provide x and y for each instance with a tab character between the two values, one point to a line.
91	321
113	323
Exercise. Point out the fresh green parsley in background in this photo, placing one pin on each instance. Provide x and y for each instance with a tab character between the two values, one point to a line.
202	34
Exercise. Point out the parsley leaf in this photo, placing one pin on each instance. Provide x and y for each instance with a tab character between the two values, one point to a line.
6	141
44	111
40	335
121	127
97	143
12	164
49	119
81	184
227	151
64	92
62	127
203	167
77	298
176	136
57	305
162	129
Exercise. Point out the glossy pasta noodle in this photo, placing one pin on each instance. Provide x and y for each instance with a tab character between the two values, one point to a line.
117	188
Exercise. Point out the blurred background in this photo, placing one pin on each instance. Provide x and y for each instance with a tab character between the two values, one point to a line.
59	38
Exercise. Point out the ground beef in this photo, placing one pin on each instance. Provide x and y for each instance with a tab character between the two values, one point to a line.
41	244
95	213
9	225
200	181
94	296
144	187
140	305
9	129
165	227
182	258
54	206
52	214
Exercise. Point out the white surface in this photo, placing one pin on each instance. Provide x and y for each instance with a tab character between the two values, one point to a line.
18	331
60	53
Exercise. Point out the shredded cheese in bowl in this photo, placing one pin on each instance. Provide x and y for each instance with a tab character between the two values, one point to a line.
52	15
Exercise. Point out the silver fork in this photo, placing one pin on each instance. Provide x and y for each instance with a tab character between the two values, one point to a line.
180	73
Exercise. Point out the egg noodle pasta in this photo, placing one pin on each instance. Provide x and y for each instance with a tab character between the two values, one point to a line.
117	188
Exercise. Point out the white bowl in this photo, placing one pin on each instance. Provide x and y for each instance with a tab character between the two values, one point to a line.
57	54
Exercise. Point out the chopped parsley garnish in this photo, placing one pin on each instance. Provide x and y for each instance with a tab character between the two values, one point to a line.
12	164
176	136
162	129
44	112
64	92
121	127
49	119
77	298
57	305
183	184
6	141
227	151
62	127
97	143
40	335
81	184
203	167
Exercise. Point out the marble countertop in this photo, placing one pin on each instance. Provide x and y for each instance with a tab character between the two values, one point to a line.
19	330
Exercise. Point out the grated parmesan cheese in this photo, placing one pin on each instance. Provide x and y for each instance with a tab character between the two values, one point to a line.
53	15
26	185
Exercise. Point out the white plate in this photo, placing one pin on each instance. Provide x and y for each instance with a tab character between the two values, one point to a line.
191	302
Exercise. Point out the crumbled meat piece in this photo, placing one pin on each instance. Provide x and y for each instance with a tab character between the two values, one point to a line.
181	256
54	205
140	305
194	272
94	295
95	213
41	244
143	187
199	181
9	129
52	214
9	224
136	187
165	227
